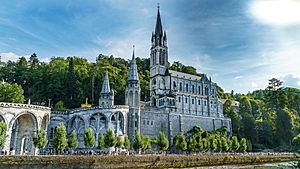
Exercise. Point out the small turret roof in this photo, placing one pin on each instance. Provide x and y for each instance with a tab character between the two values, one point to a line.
133	73
105	85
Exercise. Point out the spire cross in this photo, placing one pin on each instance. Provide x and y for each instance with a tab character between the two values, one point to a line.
157	5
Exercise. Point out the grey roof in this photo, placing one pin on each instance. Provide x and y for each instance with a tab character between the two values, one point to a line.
184	75
105	85
133	73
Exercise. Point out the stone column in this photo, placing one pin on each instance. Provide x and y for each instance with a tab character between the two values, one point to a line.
117	121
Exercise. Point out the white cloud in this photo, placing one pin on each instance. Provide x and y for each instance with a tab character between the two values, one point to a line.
290	80
122	46
277	12
11	56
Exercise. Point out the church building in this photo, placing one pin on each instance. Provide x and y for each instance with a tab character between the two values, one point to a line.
178	102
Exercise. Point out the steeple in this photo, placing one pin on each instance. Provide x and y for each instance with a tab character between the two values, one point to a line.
105	85
158	27
133	73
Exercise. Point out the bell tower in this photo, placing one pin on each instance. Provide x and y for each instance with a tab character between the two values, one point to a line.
158	61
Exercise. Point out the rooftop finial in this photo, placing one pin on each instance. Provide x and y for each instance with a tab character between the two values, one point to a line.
157	5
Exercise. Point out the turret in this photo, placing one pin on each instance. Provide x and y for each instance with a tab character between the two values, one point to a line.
132	98
106	98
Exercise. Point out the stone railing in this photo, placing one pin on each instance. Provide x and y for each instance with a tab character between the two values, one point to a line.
91	108
23	106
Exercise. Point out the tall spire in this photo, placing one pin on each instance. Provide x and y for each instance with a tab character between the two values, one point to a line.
105	85
133	73
158	27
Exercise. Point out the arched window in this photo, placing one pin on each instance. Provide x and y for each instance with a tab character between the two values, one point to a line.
206	91
180	86
174	85
187	87
199	90
193	89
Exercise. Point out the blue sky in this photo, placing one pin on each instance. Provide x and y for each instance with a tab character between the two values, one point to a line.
239	43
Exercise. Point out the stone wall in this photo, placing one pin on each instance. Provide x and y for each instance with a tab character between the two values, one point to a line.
22	120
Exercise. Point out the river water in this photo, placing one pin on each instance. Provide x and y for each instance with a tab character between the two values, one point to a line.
285	165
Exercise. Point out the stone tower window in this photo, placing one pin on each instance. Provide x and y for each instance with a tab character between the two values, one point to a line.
180	86
187	87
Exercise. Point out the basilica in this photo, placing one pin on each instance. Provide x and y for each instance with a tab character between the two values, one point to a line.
178	101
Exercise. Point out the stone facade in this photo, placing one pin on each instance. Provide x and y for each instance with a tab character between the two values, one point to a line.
22	121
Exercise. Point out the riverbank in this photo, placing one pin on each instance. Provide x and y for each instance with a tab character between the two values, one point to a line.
138	161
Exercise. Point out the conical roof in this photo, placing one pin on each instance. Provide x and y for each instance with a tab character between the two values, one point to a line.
105	85
133	73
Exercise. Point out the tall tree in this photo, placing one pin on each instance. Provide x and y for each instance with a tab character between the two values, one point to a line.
73	142
180	142
119	142
101	142
3	129
40	139
89	139
235	145
137	142
126	142
110	140
162	141
284	127
243	145
60	141
12	93
147	146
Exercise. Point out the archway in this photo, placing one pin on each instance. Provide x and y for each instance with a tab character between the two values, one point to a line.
117	123
77	123
23	128
98	122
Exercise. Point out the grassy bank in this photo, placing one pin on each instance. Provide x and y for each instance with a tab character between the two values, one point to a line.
151	161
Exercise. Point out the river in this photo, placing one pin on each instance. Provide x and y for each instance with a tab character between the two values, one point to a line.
284	165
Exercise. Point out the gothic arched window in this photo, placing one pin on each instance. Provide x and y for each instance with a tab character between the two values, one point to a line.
174	85
180	86
187	87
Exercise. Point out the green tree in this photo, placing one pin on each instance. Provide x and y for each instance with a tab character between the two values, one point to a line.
109	138
60	141
12	93
213	143
180	142
89	139
59	106
162	141
245	105
296	142
192	144
126	142
3	129
40	139
224	144
284	127
119	142
243	145
101	142
235	145
248	129
73	142
265	133
205	144
137	142
146	143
